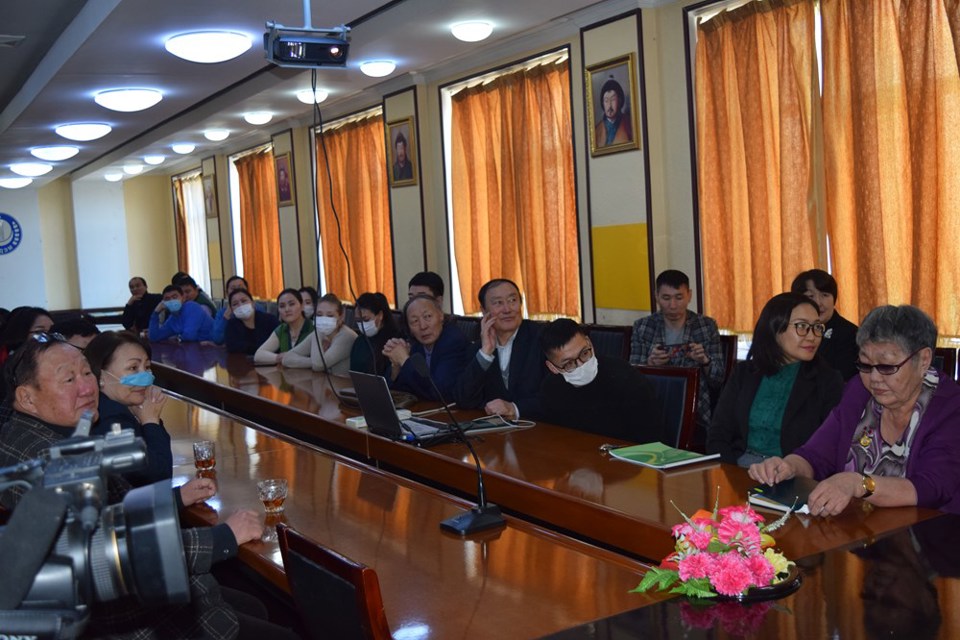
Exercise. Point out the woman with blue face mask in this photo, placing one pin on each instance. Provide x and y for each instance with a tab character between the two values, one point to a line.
121	361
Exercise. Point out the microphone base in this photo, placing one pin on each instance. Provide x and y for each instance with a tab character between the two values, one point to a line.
477	519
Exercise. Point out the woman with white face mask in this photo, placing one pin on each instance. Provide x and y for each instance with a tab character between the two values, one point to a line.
375	326
328	349
247	328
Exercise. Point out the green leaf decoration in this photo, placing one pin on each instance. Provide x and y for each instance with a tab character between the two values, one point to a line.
660	578
696	588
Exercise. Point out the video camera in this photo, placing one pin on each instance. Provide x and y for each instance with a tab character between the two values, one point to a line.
65	549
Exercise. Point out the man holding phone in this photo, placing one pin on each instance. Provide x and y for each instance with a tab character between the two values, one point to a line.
677	337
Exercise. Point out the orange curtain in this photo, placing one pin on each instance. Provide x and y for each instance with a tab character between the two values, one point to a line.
180	226
514	207
891	100
260	224
756	102
357	161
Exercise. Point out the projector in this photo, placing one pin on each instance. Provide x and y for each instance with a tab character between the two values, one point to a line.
306	48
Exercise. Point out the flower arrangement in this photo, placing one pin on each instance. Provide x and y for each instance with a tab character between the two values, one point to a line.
725	553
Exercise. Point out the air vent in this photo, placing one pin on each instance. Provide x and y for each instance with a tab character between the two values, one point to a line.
9	42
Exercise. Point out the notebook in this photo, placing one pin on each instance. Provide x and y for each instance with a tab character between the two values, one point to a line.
783	495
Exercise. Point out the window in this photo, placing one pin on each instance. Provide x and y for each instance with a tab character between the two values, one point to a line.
191	228
510	185
353	207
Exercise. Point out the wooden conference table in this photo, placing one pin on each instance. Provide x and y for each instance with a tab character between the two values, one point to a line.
519	582
550	475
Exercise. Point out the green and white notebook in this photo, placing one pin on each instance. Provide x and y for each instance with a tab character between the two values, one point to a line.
659	455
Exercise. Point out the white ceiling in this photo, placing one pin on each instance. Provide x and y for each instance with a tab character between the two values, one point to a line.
67	55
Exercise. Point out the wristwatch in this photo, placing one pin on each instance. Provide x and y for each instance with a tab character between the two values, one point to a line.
869	486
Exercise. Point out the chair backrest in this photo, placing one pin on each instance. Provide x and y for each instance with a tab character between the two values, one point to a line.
470	326
610	340
677	389
336	597
945	359
728	344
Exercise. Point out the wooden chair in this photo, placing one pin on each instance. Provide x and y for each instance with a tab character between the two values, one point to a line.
335	596
677	389
610	340
469	325
728	344
945	359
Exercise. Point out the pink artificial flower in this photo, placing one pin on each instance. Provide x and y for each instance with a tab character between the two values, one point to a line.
762	570
698	565
698	535
730	575
744	534
741	513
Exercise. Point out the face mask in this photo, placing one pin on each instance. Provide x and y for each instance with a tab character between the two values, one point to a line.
369	328
308	310
244	311
173	306
139	379
584	374
325	325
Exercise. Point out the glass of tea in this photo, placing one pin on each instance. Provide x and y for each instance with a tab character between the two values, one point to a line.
272	494
204	455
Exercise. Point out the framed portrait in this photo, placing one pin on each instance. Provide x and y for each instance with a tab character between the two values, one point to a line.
401	153
612	106
210	195
284	179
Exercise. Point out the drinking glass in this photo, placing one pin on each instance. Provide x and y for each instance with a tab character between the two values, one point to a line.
204	455
272	493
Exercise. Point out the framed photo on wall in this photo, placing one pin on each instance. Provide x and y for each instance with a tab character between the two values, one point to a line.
402	153
284	180
210	195
612	106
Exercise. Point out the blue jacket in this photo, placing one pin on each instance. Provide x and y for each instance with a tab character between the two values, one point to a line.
446	362
190	324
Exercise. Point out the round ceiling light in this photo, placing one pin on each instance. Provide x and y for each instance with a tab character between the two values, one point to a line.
312	97
128	100
216	135
55	153
31	169
154	160
183	148
83	131
113	176
472	31
378	68
258	117
133	169
209	47
15	183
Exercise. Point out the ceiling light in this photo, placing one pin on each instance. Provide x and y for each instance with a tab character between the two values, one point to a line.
113	176
15	183
208	47
183	148
312	97
133	169
128	100
258	117
378	68
31	169
473	31
216	135
58	152
154	160
83	131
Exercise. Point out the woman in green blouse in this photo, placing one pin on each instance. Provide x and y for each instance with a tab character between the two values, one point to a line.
292	331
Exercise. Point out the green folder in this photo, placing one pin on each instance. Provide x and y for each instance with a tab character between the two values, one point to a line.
659	455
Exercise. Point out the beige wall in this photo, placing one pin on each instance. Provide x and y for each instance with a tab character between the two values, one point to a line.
59	245
151	239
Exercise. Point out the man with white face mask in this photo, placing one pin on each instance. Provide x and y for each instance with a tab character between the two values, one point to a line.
599	394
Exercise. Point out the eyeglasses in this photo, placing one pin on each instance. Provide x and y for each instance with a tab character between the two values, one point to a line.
803	328
45	339
884	369
569	365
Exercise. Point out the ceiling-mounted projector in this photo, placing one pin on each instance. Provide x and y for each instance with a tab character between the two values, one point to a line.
306	47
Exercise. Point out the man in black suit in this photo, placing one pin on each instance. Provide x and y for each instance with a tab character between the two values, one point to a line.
136	313
504	370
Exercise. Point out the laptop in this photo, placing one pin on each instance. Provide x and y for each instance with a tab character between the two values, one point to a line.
378	409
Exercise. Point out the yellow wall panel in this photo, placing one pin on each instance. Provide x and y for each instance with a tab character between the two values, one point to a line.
621	272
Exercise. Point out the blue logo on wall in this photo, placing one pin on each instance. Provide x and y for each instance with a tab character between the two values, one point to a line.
10	233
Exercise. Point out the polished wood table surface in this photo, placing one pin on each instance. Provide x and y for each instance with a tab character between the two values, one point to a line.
548	474
519	582
904	585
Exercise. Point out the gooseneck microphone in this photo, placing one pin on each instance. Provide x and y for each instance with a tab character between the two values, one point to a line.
483	516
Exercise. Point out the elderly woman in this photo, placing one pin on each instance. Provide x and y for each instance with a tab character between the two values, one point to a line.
894	439
776	399
443	346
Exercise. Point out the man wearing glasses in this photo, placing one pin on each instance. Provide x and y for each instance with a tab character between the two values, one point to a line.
593	393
